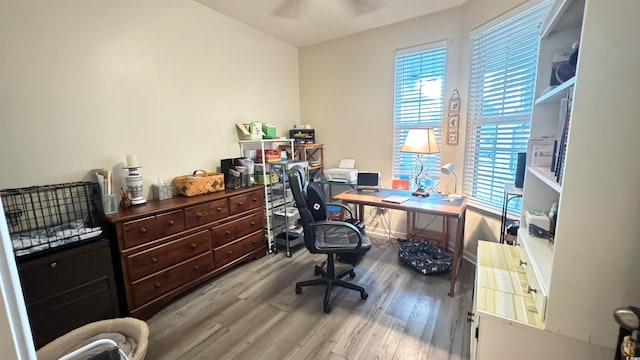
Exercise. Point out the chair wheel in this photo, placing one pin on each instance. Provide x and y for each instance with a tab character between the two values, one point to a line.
364	295
298	290
288	253
327	308
352	274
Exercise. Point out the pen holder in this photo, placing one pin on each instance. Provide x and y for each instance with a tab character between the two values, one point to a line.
109	204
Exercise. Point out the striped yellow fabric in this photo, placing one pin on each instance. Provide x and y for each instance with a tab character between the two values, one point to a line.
502	284
510	306
499	256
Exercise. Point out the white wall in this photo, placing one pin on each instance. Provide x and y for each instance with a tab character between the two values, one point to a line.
15	334
85	83
346	94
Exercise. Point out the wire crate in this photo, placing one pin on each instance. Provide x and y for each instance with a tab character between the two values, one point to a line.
44	217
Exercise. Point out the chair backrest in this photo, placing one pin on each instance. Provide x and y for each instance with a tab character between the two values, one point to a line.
296	181
315	199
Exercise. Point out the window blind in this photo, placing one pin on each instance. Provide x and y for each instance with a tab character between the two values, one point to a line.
418	103
501	95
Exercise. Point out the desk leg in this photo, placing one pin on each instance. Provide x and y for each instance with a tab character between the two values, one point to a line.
361	212
457	254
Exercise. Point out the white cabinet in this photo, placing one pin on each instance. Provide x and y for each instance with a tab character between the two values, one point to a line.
591	267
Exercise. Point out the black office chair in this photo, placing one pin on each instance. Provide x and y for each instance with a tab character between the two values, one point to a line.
326	237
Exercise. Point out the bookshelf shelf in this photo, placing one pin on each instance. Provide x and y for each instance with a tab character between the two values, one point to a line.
557	93
546	176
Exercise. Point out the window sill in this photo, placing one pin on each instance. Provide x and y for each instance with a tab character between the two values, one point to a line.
490	211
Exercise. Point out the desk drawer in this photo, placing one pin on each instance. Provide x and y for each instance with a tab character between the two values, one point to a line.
205	213
163	256
237	249
225	234
150	228
169	279
244	202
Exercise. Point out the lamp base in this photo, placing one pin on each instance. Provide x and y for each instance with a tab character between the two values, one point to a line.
420	192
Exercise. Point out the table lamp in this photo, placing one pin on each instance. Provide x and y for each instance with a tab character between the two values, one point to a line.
448	169
420	142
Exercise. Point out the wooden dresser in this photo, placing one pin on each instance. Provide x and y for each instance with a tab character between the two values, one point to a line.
167	247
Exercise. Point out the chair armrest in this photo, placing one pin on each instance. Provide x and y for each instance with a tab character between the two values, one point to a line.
332	223
342	206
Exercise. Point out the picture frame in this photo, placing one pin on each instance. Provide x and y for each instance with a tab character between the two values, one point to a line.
454	106
452	137
453	121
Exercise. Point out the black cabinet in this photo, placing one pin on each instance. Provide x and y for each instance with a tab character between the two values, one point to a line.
69	288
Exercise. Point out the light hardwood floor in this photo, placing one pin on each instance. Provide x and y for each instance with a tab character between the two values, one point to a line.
252	312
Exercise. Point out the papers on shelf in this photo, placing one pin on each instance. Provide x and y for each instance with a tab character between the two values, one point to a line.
290	212
541	150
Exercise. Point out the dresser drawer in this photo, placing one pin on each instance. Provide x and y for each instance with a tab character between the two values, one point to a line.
45	277
226	233
150	228
163	256
244	202
169	279
237	249
205	213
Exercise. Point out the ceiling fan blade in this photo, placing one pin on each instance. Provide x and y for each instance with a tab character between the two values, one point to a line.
361	7
289	9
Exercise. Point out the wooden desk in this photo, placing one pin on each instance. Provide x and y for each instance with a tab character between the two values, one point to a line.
435	204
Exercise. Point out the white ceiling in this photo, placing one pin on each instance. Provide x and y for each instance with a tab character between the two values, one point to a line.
306	22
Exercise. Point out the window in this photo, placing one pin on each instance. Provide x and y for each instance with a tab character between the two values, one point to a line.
418	102
501	94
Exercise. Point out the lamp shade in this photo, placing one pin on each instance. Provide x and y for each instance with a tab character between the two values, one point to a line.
420	141
447	169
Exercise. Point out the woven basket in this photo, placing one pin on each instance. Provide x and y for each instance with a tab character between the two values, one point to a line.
200	182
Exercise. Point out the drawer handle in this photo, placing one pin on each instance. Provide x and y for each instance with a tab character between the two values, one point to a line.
219	209
143	230
154	260
195	268
254	199
54	264
229	252
253	223
240	203
199	214
523	263
228	232
193	245
470	316
171	222
254	242
531	290
157	284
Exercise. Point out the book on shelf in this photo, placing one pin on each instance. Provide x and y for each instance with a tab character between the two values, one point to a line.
565	117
